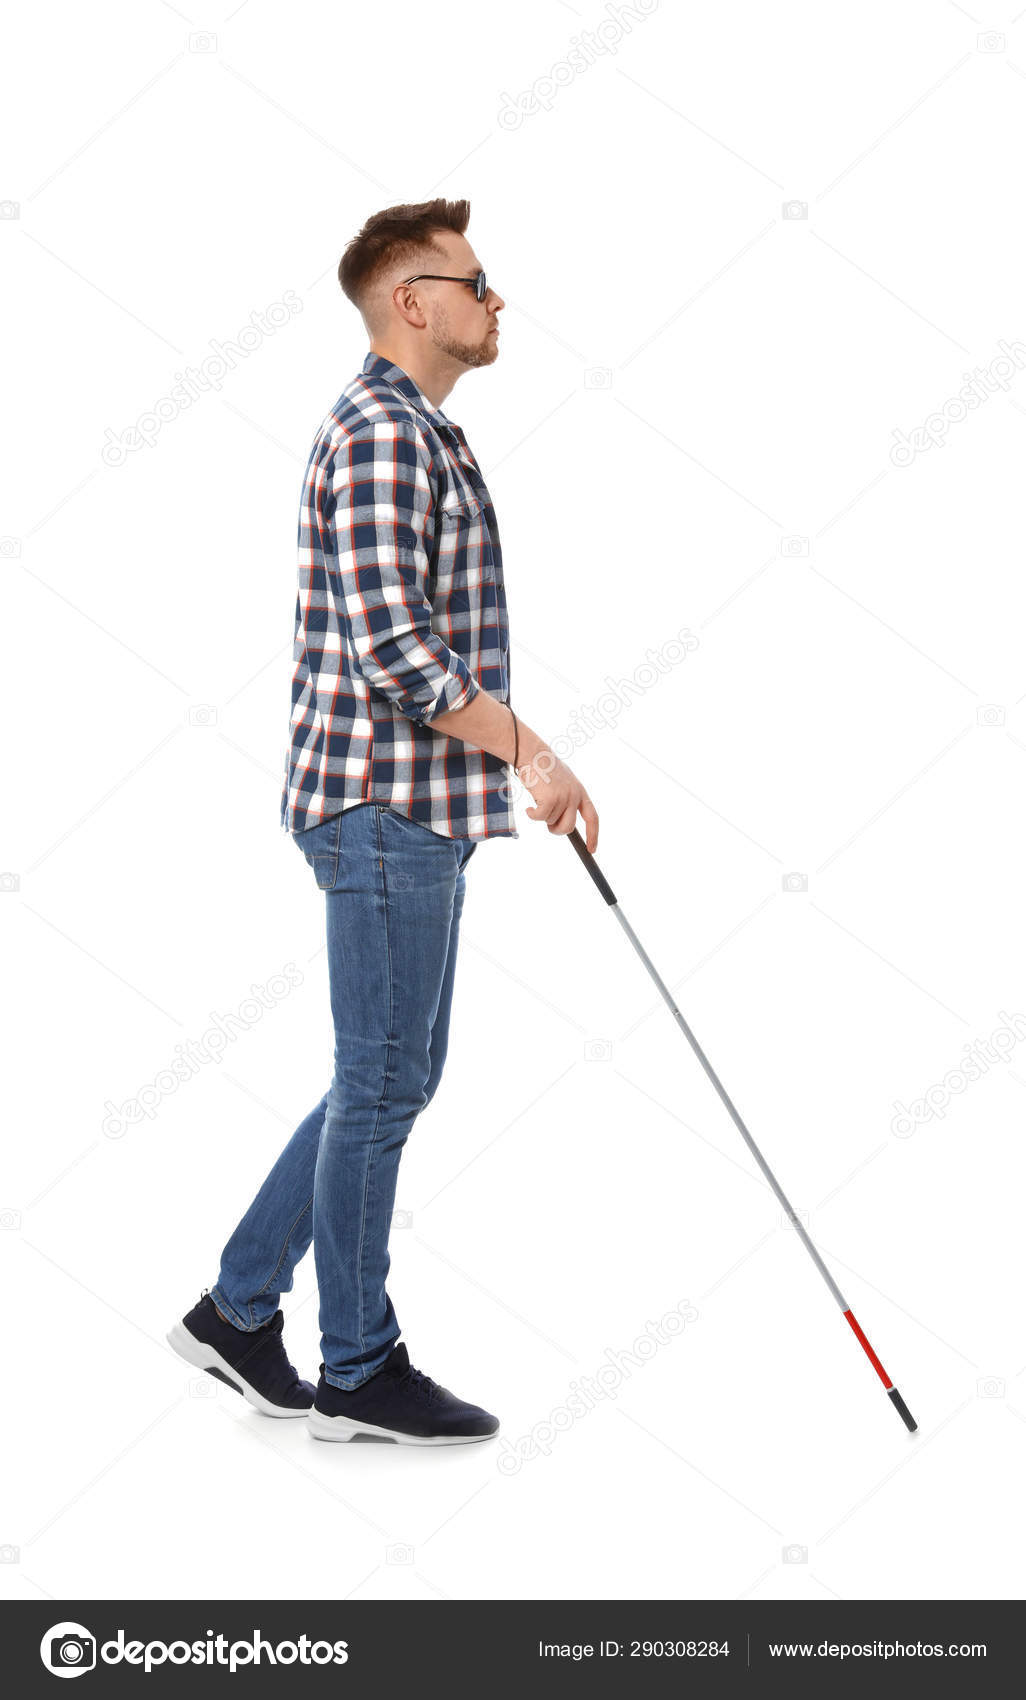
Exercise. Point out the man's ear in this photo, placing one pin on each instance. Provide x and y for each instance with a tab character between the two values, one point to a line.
407	304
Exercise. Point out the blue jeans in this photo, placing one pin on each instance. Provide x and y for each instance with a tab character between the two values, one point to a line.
394	895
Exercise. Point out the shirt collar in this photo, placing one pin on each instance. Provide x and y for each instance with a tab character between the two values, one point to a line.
377	366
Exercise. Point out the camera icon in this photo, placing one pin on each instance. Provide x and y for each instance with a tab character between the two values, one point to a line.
795	209
794	546
202	714
78	1651
990	714
399	1553
10	882
202	1387
990	1387
10	548
68	1649
598	378
802	1215
794	882
991	41
9	1554
795	1554
10	209
10	1221
402	881
598	1050
402	1218
202	42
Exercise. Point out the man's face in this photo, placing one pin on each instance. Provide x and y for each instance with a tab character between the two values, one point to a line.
459	325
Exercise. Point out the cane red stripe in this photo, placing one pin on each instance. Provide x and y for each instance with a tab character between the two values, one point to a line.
870	1354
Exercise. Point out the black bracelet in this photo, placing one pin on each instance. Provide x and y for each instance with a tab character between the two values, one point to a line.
516	738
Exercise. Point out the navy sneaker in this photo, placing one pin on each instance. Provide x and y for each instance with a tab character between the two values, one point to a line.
398	1403
254	1364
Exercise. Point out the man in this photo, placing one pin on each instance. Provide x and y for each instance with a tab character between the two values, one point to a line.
402	736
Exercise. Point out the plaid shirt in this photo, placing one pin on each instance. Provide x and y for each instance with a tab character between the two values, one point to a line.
400	615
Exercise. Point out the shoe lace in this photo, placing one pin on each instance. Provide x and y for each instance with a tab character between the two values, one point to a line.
419	1384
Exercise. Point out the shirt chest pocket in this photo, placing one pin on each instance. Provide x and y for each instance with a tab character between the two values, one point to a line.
458	508
464	555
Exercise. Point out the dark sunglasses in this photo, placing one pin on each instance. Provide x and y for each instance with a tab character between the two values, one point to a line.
478	284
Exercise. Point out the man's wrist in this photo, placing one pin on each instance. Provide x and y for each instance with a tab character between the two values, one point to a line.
534	753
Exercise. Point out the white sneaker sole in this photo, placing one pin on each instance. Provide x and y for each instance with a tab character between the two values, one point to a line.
346	1428
202	1356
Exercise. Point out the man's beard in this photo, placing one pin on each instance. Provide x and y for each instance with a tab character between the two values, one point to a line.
465	352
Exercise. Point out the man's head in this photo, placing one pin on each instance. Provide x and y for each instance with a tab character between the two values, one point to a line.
437	322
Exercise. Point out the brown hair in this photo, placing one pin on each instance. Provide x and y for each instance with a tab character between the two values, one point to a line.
397	234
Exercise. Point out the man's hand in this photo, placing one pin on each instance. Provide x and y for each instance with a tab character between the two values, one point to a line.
558	796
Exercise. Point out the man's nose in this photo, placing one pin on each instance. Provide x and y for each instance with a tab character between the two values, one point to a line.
496	304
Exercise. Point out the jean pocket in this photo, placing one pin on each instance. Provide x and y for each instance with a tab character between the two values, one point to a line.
320	845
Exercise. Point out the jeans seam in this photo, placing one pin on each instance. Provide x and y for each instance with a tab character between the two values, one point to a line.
284	1250
361	1283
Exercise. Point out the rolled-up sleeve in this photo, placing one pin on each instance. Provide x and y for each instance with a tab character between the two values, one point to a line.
381	516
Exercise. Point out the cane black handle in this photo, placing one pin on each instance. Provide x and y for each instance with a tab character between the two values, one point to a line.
592	866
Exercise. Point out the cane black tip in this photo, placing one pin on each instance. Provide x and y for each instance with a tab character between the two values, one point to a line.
902	1409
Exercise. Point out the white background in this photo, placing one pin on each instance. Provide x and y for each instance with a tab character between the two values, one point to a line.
688	379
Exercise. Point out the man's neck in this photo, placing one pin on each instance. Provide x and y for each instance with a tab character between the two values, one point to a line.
434	378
